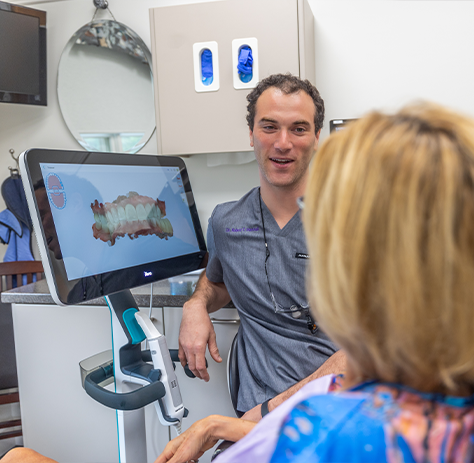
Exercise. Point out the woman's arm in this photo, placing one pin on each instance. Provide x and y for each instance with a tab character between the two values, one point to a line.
24	455
202	436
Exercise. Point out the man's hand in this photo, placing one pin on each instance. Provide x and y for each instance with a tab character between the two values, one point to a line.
197	332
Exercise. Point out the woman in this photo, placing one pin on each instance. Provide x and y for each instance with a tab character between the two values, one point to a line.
389	219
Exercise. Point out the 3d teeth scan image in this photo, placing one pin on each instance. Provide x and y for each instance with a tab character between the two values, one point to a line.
133	215
110	217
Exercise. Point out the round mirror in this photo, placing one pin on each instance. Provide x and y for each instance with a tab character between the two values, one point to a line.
105	88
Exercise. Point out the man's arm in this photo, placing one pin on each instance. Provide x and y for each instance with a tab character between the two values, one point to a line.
196	331
335	364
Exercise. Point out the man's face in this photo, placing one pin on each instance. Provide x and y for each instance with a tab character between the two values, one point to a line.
48	223
283	137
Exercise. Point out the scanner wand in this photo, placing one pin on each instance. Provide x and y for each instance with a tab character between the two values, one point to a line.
173	409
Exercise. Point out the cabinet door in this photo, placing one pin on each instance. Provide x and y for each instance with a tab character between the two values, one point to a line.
200	398
59	419
218	117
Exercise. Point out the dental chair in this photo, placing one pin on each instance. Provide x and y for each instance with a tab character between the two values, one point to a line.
233	383
233	380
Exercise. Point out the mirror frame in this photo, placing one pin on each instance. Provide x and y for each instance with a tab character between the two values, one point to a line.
79	34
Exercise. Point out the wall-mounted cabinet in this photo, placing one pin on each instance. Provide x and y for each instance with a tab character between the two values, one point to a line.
200	100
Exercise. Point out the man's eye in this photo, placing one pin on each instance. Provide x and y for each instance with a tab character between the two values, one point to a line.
268	127
300	129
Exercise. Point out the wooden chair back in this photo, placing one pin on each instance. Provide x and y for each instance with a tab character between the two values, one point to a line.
19	268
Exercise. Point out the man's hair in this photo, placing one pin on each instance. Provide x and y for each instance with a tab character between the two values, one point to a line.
288	84
389	218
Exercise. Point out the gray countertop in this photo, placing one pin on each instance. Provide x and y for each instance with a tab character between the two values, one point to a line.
38	293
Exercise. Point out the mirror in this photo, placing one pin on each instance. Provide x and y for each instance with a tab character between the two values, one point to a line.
105	88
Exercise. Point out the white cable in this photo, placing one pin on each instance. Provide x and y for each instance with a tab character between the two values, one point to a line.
151	299
150	311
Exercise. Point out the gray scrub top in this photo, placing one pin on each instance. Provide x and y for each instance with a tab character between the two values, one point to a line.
275	350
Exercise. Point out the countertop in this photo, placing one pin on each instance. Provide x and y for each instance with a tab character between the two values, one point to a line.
38	293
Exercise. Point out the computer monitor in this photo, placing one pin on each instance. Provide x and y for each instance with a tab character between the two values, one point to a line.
339	124
106	222
22	55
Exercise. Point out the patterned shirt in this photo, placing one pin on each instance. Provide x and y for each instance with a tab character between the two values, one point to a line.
377	422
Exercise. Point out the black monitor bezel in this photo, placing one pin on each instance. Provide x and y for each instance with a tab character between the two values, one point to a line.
335	124
110	282
39	99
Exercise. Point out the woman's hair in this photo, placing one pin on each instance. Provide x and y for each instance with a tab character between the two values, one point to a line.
389	218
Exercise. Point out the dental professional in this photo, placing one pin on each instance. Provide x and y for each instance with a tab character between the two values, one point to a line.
258	259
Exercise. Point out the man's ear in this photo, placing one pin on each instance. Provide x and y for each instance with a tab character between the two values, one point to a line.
316	142
251	137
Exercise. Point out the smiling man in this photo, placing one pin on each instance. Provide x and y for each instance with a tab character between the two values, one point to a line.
258	257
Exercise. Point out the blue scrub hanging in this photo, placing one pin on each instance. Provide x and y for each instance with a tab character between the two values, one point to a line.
206	67
245	64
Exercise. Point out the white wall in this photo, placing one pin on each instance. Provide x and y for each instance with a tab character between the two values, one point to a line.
369	54
383	54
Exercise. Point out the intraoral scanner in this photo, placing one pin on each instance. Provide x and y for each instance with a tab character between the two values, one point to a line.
106	223
170	408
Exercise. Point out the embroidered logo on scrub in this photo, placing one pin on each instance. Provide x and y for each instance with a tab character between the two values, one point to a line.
55	190
242	229
301	255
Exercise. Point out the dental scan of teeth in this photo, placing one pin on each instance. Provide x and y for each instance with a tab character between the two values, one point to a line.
97	234
131	215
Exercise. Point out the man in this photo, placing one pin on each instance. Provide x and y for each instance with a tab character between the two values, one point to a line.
257	258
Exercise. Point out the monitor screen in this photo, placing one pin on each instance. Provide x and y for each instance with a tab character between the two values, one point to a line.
22	55
108	222
339	124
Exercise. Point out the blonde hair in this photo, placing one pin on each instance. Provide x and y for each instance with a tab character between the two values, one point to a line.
389	219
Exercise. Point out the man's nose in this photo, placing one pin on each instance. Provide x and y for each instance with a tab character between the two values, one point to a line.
283	142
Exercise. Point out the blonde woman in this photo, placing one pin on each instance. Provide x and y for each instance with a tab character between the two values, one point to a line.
390	228
389	220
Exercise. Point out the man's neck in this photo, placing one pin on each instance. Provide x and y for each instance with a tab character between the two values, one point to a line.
281	201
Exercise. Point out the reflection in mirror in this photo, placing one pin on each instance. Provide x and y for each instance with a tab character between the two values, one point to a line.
105	88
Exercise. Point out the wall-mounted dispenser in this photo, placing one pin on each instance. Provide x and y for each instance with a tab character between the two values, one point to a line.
269	36
206	66
245	63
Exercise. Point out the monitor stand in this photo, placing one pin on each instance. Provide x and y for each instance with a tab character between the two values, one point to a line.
137	382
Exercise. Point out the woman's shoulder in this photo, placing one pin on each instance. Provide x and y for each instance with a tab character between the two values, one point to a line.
373	423
332	428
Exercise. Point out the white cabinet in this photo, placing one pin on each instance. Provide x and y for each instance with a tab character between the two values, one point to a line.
59	419
191	120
